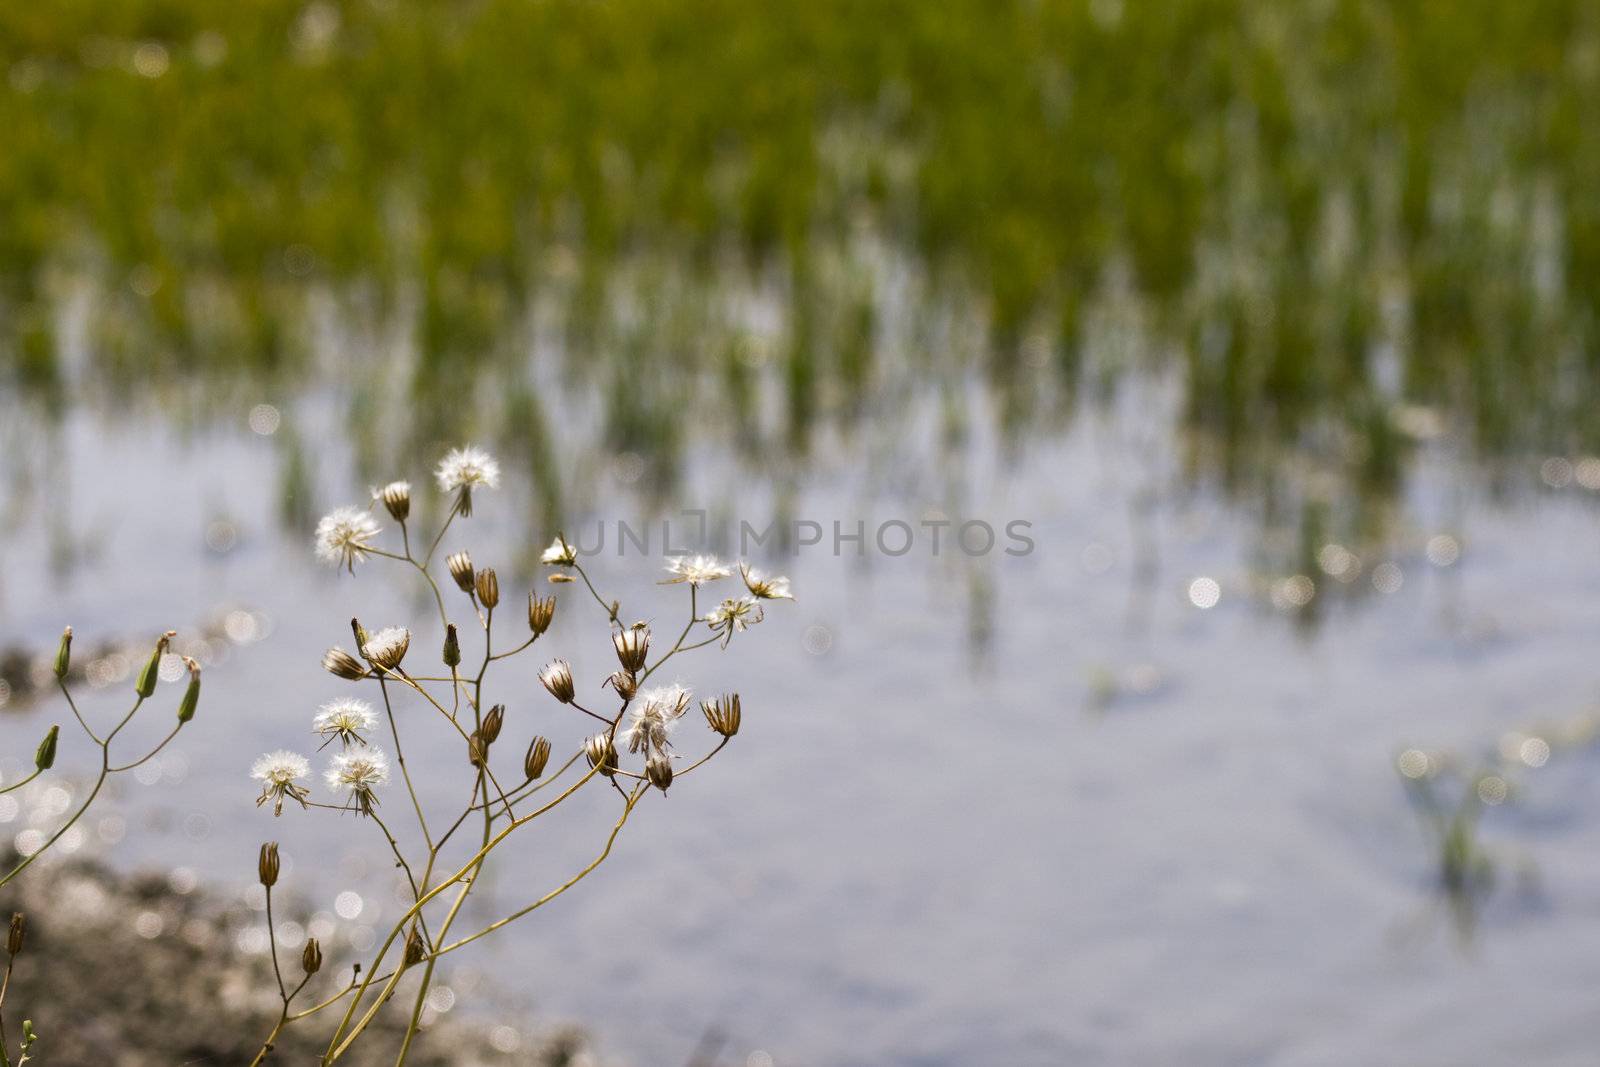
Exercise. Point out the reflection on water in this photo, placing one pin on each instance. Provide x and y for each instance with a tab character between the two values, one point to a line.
1257	313
1338	242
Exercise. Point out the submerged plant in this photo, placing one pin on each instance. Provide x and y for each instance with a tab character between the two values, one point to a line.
632	750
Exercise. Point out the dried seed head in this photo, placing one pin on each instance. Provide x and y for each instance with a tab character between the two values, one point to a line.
14	938
533	763
416	948
764	586
601	754
44	757
633	646
541	610
460	566
311	958
722	714
452	647
267	864
488	588
624	683
557	677
146	686
477	749
387	647
396	496
655	713
658	769
560	579
339	662
64	653
191	695
492	723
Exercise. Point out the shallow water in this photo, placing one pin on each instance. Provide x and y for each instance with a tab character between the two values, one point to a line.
1022	810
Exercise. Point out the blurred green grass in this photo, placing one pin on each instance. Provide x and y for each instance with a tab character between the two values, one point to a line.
1329	212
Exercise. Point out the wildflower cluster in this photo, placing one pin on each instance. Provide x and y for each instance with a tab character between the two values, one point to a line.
632	747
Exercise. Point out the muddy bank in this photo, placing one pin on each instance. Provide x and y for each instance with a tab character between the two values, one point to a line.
131	971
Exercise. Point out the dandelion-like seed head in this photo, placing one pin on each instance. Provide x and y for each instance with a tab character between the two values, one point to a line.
557	678
359	772
459	564
559	554
464	469
346	721
601	753
396	497
387	647
633	646
764	586
279	774
345	535
733	615
696	570
655	712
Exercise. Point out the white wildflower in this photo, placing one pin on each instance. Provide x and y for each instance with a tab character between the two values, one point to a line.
655	712
466	469
358	772
734	614
696	570
763	586
559	554
345	720
279	774
345	535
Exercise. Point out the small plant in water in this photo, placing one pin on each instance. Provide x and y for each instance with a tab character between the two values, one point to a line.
633	749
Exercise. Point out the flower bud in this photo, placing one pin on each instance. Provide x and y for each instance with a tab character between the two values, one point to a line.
477	749
191	695
624	683
488	588
601	753
396	496
64	653
492	723
722	714
14	937
146	686
267	864
540	611
658	769
633	646
311	958
360	633
416	948
460	565
339	662
452	646
533	763
557	677
45	756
